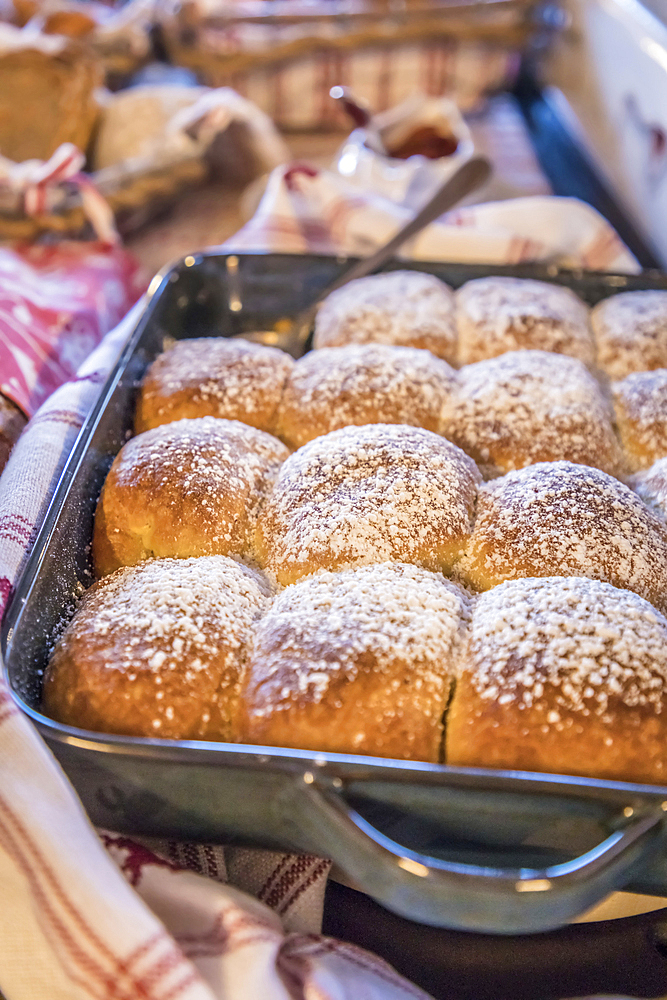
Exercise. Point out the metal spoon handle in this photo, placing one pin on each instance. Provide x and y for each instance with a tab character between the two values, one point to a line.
471	175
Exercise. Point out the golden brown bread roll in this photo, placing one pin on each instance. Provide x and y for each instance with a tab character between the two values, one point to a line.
407	308
651	486
530	406
640	404
364	495
565	675
630	331
362	384
356	662
499	314
561	519
191	488
214	377
158	650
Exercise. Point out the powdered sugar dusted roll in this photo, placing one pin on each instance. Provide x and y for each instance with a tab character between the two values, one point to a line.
365	495
640	403
630	332
561	519
158	650
651	486
214	377
563	675
190	488
409	308
356	662
530	406
499	314
362	384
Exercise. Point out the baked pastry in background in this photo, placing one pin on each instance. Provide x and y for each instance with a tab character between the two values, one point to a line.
630	331
562	519
214	377
362	384
47	95
499	314
190	488
640	404
565	675
356	662
530	406
158	650
407	308
136	119
365	495
651	486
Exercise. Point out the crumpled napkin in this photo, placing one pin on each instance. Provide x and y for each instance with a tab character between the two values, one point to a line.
307	210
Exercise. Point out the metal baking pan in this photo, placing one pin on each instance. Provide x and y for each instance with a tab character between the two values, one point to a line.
493	851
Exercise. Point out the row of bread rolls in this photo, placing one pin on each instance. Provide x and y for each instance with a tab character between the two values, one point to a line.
489	316
363	495
519	408
553	674
320	665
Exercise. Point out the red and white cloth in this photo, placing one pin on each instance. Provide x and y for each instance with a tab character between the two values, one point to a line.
71	926
36	186
56	304
306	210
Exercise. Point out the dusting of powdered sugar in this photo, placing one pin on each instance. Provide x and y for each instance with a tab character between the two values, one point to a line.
339	625
499	314
530	406
362	384
369	494
206	473
630	332
640	401
557	518
164	613
400	307
567	643
214	376
651	486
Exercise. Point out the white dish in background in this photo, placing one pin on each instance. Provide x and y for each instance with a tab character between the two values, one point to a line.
408	181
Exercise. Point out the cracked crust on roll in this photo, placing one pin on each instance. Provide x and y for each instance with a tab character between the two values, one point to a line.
356	662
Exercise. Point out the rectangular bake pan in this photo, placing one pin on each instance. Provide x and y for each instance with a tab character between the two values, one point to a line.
494	851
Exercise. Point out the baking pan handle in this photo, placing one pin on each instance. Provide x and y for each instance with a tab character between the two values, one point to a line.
465	896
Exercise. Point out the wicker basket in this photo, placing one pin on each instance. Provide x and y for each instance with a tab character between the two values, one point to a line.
285	55
135	192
